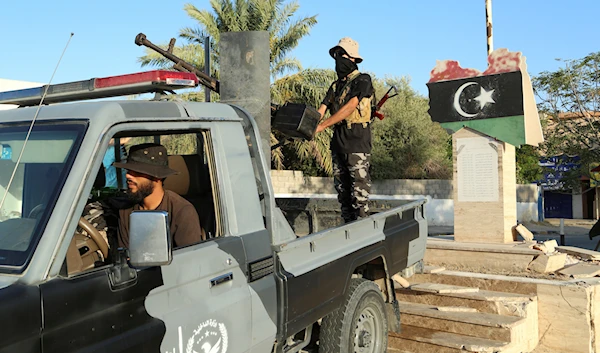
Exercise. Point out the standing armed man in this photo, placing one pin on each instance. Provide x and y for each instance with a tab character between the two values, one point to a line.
349	102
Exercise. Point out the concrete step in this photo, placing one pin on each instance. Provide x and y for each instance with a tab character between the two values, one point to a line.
478	280
499	258
415	339
501	328
490	302
497	295
443	288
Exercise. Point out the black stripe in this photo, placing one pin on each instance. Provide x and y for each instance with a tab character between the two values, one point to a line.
20	314
507	96
86	313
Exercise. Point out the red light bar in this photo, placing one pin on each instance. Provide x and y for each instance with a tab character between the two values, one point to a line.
113	86
158	76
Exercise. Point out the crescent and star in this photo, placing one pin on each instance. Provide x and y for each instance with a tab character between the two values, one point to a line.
483	98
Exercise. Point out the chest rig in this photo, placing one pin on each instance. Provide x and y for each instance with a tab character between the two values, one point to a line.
362	113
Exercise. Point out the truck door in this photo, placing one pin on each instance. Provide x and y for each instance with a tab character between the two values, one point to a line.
91	311
199	303
205	301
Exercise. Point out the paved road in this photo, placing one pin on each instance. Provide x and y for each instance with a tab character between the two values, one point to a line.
576	231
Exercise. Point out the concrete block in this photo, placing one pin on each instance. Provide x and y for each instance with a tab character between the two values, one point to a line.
547	247
581	270
548	263
583	253
564	319
523	232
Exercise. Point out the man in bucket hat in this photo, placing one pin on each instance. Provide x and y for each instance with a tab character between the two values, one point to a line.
349	100
147	167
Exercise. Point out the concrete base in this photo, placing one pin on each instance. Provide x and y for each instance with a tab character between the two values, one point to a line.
485	201
567	310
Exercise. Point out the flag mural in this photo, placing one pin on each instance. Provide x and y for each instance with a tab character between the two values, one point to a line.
498	102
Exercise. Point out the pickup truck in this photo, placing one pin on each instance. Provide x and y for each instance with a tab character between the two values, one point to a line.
252	286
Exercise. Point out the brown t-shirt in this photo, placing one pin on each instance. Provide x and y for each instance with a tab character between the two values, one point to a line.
184	222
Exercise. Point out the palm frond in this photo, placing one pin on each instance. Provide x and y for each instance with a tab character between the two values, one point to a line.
285	65
208	21
283	17
192	53
307	86
289	40
277	154
193	35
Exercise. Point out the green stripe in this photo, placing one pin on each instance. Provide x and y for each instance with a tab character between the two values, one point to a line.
509	129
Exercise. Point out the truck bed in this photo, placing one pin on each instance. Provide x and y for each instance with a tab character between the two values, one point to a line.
313	250
307	215
397	235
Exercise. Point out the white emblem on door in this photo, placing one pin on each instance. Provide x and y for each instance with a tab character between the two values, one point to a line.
209	337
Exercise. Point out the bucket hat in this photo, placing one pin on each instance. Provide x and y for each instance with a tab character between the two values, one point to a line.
148	158
350	46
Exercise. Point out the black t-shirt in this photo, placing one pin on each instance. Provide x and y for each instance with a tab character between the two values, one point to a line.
358	138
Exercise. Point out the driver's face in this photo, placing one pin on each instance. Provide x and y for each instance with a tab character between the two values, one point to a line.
137	181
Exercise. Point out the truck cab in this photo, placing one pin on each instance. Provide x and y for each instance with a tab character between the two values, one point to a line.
249	285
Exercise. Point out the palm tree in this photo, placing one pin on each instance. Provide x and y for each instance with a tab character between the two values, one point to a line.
243	15
309	87
289	82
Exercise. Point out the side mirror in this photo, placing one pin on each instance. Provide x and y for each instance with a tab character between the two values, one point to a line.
149	239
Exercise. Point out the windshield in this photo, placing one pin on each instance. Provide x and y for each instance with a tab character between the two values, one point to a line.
36	184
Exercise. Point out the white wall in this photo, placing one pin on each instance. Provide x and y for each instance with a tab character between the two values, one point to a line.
527	212
577	206
439	209
439	212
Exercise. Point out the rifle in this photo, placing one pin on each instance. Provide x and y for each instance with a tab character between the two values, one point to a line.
180	64
387	96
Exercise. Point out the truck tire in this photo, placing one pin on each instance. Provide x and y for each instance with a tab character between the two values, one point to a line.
359	325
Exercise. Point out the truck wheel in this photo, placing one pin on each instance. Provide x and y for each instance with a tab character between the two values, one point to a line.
360	325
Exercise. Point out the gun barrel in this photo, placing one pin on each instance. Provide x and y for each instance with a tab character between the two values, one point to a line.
387	96
204	79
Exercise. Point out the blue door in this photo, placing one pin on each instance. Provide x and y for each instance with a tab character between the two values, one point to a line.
558	205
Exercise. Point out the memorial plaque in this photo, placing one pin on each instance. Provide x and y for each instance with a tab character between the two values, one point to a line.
477	162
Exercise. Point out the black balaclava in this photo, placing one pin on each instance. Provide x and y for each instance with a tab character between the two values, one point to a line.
344	66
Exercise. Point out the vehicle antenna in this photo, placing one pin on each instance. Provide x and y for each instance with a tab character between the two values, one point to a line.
33	122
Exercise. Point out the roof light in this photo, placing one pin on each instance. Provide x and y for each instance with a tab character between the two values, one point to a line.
113	86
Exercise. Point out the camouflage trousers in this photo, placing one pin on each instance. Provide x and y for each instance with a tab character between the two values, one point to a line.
353	183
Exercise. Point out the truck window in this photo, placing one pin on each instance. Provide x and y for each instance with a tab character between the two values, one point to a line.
190	154
34	185
112	154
